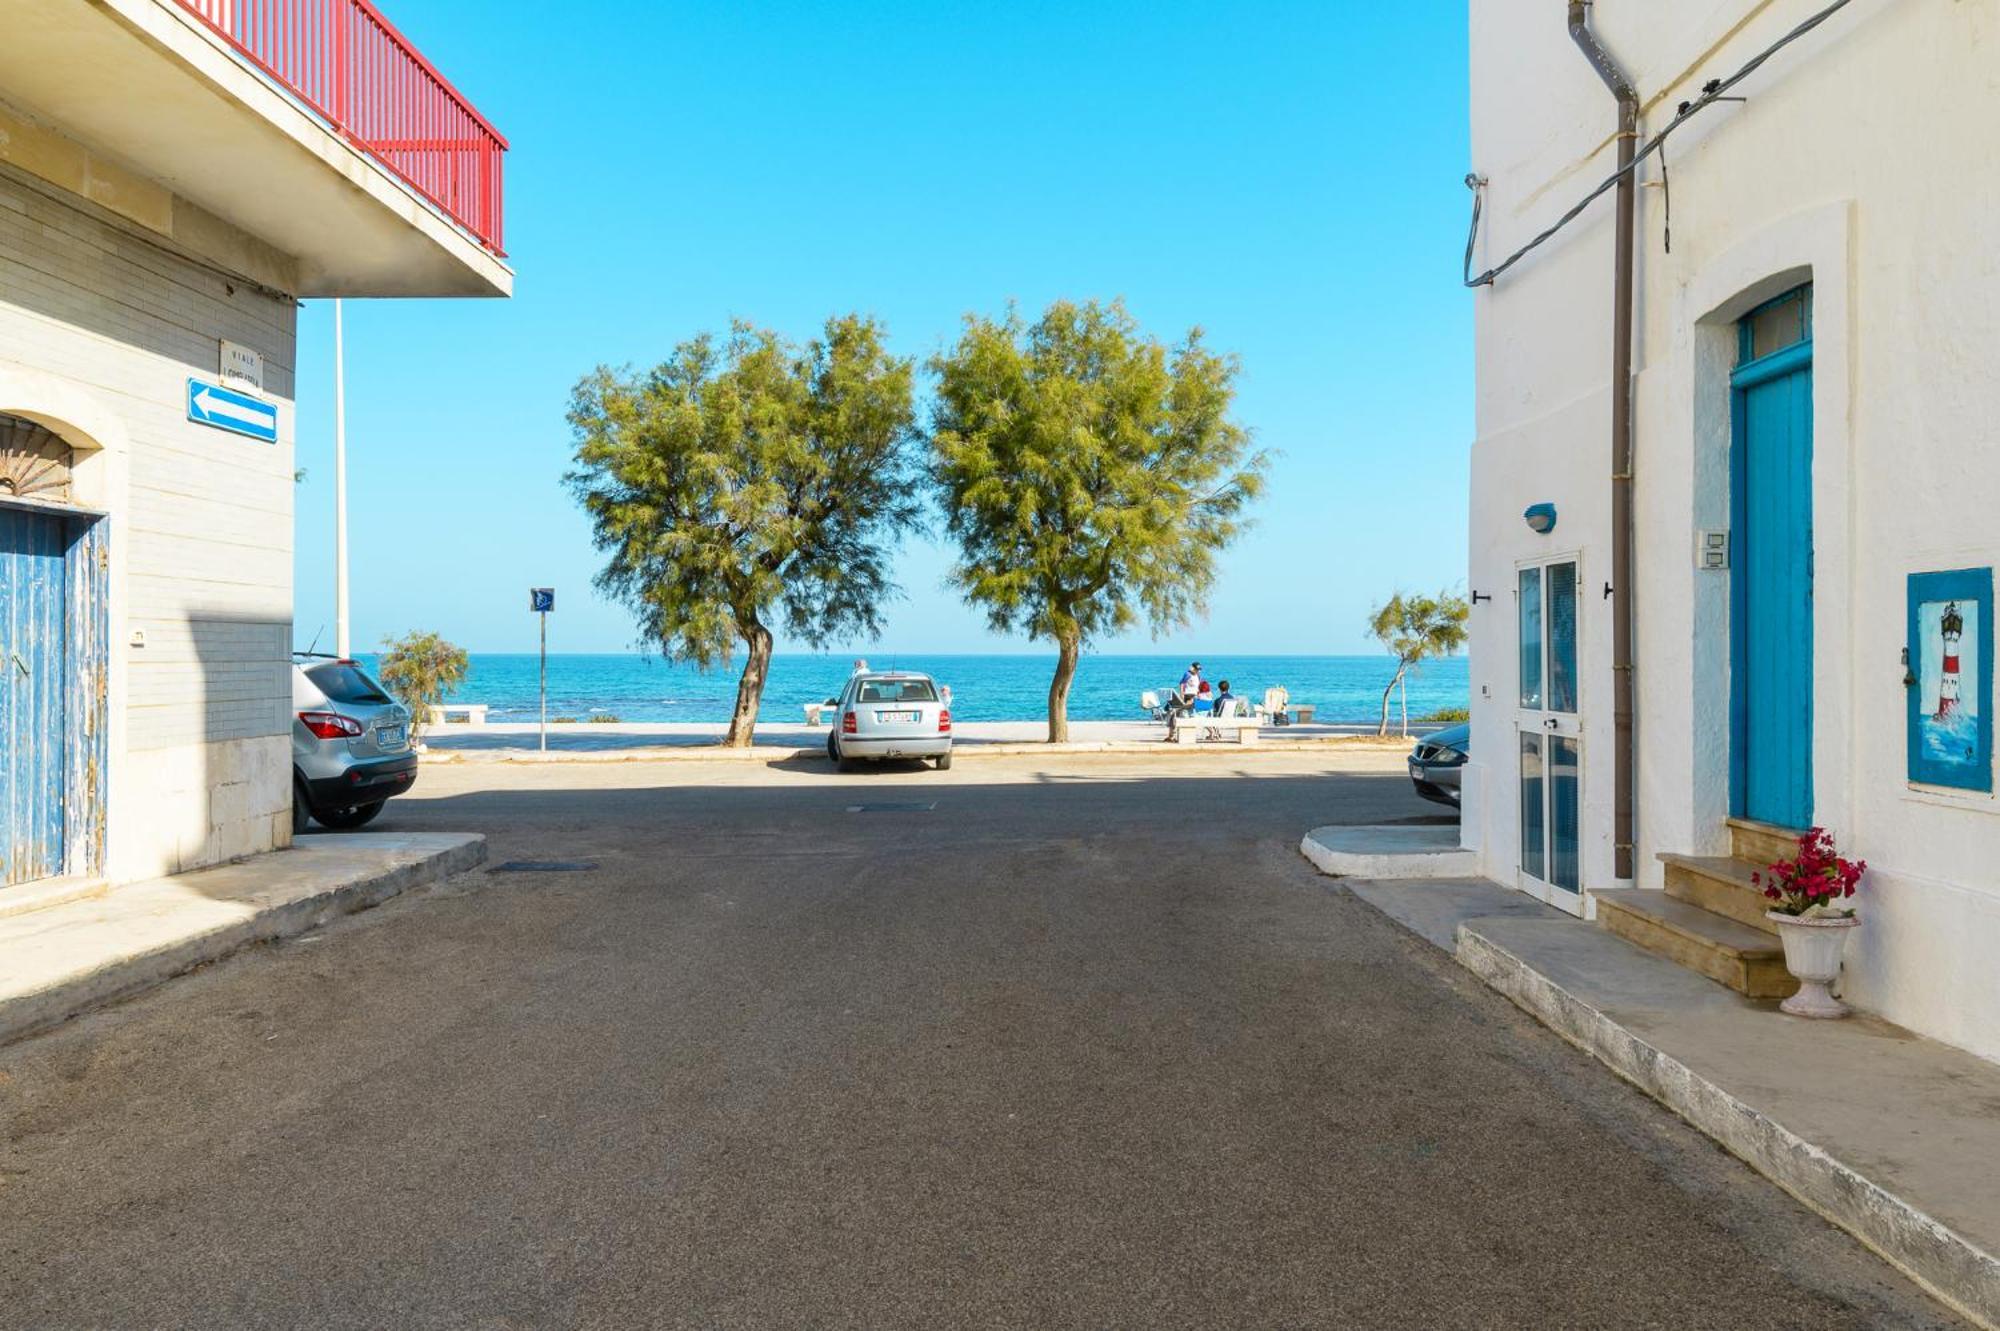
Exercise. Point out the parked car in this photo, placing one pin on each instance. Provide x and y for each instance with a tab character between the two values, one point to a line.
1437	763
351	746
890	715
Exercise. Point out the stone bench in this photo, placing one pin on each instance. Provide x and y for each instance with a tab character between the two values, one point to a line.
1194	728
469	713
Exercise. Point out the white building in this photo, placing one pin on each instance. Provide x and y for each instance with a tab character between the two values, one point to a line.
175	176
1814	489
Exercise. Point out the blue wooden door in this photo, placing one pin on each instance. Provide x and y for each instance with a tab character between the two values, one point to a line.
1772	708
34	604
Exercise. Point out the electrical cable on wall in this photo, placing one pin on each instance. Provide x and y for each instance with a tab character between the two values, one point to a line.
1711	93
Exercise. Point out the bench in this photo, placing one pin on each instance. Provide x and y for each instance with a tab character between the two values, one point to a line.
469	713
1193	729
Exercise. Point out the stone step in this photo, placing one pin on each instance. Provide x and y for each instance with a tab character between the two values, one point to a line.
1720	884
1762	843
1727	951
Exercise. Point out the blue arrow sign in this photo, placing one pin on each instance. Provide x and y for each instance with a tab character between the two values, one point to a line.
239	413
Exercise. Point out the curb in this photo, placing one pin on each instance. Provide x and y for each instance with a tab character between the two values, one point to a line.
129	975
1953	1270
970	749
1456	862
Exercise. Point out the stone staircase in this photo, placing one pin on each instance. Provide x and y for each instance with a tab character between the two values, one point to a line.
1711	918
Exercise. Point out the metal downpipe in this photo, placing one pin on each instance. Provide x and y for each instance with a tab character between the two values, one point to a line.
1620	588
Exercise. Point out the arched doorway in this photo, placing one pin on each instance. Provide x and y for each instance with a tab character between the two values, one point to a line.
52	662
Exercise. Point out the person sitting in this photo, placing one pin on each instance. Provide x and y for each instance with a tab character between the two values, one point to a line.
1224	704
1182	702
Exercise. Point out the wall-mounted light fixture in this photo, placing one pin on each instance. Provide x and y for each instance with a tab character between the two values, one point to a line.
1541	518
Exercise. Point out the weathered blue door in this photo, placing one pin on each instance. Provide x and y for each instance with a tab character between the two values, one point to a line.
1772	706
34	614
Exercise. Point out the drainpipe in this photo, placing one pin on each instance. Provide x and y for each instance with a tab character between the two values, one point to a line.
1620	588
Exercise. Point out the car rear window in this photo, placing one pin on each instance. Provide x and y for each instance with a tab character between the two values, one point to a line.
342	682
898	690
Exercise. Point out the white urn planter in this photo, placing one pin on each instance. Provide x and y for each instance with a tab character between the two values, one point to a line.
1813	945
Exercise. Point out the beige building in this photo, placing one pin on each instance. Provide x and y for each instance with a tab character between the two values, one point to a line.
175	177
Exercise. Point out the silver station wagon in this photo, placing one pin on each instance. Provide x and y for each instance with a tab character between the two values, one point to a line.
889	714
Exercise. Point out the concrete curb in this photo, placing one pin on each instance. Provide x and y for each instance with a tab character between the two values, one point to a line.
1389	851
1953	1269
128	975
974	749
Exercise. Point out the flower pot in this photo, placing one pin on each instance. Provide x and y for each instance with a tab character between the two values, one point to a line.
1813	945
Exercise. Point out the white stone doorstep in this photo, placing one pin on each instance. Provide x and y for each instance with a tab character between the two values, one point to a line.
1393	850
60	961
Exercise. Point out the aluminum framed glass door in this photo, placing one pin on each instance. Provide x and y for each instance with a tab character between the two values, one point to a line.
1547	742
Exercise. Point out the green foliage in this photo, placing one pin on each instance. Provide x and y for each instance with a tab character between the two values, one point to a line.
1088	474
747	483
1448	715
602	719
421	669
1414	629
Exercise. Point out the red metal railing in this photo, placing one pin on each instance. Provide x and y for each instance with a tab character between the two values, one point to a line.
351	66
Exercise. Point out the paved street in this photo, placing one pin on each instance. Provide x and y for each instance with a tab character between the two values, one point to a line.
1085	1044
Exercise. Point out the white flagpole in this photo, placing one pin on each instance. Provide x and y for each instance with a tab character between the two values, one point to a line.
339	487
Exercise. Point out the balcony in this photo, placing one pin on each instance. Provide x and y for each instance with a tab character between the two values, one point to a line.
311	127
345	61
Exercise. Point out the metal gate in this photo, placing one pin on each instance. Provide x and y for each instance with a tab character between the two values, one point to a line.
34	694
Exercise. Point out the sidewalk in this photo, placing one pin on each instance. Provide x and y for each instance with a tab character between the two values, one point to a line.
778	740
1892	1137
60	960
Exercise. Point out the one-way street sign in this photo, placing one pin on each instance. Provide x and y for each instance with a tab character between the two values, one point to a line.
211	404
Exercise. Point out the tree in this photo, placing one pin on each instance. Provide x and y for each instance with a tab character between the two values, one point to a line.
747	484
1088	475
421	669
1414	629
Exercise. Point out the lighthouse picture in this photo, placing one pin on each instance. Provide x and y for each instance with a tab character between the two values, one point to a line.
1947	674
1951	630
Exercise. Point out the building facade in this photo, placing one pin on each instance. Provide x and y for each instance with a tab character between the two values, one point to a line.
1812	530
175	177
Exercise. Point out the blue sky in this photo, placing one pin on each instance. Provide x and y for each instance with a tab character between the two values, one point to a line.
1288	179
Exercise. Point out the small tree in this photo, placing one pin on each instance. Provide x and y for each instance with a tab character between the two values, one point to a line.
421	669
740	485
1088	474
1414	629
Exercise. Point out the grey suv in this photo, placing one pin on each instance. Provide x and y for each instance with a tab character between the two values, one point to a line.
350	744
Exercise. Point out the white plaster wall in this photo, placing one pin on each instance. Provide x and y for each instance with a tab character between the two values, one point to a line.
100	328
1855	164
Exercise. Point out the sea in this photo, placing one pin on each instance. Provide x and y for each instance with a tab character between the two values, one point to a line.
1013	687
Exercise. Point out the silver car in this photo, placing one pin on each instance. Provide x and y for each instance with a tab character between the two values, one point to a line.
890	715
350	744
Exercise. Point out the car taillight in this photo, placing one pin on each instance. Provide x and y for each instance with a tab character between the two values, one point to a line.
944	720
850	724
331	725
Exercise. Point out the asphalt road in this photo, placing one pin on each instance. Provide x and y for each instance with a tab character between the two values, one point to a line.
1085	1044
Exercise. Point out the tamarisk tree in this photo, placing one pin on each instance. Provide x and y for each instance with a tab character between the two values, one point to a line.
746	485
1088	474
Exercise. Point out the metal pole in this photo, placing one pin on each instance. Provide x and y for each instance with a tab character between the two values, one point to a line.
545	681
1624	761
340	642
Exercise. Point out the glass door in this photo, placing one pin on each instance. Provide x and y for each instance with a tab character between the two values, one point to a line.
1546	732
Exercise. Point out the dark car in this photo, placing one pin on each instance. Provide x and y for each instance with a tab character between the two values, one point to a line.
1438	761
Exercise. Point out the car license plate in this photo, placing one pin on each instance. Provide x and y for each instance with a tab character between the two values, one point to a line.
898	716
390	737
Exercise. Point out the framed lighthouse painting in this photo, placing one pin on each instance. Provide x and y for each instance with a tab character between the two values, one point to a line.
1950	678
